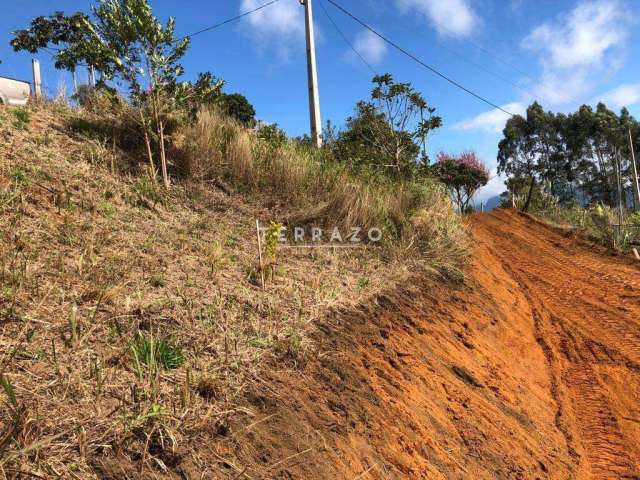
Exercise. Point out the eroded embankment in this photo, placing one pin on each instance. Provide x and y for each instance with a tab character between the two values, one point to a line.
528	371
586	307
431	381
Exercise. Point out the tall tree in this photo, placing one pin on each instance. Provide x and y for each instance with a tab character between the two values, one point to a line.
517	152
391	130
406	113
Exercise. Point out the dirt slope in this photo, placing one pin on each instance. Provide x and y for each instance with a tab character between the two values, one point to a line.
529	371
586	312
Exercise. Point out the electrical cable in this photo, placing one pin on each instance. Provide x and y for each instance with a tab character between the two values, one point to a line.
420	62
229	20
346	40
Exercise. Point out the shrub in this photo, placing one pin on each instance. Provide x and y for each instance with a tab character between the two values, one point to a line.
596	222
273	135
633	230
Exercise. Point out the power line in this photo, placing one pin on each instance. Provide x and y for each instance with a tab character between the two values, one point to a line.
457	54
485	69
229	20
207	29
344	37
416	59
489	53
491	72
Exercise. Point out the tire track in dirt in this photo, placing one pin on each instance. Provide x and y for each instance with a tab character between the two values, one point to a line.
586	309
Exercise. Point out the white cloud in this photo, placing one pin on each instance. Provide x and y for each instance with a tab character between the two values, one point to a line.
583	37
282	24
492	121
622	96
453	18
370	46
577	48
560	87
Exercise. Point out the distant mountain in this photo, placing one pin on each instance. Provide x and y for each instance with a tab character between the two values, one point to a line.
489	204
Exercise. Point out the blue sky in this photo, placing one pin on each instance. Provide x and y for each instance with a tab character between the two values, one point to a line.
561	52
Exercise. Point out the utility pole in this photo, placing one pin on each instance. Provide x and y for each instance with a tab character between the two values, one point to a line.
634	172
314	96
92	76
75	81
37	80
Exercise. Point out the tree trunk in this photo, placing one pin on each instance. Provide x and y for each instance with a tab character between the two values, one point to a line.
397	154
163	157
160	131
459	201
148	144
532	184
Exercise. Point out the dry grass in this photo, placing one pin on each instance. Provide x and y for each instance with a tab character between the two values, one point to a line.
91	261
415	216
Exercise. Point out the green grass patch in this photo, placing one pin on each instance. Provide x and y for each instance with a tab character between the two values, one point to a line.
152	353
22	118
19	176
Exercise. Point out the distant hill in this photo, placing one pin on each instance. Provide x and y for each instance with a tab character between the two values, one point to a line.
492	203
489	204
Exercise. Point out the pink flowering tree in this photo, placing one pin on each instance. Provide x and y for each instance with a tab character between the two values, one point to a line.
463	175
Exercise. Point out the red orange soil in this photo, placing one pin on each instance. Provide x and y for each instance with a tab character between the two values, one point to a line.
586	312
531	370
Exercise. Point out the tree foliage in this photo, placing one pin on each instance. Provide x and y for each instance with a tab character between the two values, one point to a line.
388	132
272	135
236	106
463	175
572	157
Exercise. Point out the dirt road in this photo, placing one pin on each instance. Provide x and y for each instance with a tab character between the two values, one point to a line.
586	314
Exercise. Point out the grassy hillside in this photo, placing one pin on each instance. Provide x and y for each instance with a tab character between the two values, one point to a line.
133	323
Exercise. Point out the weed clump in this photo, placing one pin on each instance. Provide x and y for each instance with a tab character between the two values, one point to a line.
152	352
22	118
11	426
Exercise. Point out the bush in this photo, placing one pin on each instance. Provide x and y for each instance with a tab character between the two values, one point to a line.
596	222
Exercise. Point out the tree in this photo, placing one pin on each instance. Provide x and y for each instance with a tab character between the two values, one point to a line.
192	96
238	107
389	131
463	175
527	147
575	158
368	142
123	40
